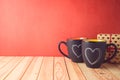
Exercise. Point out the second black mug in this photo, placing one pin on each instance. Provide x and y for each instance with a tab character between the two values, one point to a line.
94	51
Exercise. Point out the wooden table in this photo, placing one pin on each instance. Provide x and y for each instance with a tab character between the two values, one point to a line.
53	68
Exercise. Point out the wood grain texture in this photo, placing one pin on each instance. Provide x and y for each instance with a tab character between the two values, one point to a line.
104	74
20	69
33	70
101	73
117	65
74	71
1	57
114	69
53	68
6	70
46	70
60	70
88	72
5	60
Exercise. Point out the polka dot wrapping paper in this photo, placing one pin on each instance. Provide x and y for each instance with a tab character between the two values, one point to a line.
111	38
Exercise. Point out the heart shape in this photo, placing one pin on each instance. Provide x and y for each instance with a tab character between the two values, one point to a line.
94	60
76	50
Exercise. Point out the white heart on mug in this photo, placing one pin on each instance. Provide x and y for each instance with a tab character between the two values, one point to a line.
93	50
74	51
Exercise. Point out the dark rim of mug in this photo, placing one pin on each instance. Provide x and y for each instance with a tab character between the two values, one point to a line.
94	40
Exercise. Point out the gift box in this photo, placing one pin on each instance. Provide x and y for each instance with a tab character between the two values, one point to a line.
115	39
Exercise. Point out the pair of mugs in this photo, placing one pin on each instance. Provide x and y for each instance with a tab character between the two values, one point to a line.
91	51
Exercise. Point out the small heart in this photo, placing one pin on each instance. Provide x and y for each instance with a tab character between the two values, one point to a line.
76	50
90	53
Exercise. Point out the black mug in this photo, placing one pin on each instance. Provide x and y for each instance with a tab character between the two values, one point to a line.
74	49
94	51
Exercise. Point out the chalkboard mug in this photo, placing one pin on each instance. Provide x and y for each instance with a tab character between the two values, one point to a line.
74	49
94	51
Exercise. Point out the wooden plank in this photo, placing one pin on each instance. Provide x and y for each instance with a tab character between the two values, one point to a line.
97	73
2	57
4	61
4	71
57	68
74	71
113	68
89	74
46	71
33	70
18	72
104	74
60	70
117	65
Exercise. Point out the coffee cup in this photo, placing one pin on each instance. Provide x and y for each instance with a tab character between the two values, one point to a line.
74	49
94	51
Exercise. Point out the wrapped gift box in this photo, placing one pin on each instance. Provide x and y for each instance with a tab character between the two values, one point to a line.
115	39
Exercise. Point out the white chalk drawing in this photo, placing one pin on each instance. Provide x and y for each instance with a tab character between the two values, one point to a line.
93	50
73	49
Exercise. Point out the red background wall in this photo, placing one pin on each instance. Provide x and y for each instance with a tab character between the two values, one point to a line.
34	27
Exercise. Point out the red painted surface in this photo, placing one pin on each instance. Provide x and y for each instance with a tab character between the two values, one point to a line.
34	27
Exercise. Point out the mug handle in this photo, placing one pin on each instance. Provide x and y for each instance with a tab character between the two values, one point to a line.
59	48
115	52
